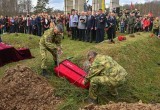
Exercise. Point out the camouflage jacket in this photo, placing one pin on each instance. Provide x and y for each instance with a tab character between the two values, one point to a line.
106	66
131	20
156	24
50	40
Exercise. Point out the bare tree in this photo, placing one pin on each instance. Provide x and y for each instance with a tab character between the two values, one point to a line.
148	7
14	7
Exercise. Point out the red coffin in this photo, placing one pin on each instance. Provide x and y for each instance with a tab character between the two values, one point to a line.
71	72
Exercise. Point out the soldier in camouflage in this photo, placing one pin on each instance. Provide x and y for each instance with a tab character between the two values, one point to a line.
104	71
156	26
131	22
50	41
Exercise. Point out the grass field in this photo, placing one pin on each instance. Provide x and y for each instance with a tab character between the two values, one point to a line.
139	56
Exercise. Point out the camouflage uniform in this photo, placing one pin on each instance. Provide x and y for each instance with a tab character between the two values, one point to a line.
105	71
131	23
156	26
49	42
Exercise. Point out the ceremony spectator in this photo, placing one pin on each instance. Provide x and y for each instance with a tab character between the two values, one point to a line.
33	24
38	24
73	23
89	27
67	25
100	25
46	23
156	26
111	24
28	25
82	26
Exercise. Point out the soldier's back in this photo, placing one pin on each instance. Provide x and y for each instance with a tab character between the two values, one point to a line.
111	68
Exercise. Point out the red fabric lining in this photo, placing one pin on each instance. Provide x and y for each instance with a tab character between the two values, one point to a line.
9	54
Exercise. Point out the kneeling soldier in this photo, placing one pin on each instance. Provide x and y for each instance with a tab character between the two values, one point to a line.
104	71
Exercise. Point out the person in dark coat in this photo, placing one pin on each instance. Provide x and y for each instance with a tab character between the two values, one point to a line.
94	33
38	24
33	24
46	23
12	25
89	27
28	25
43	22
21	24
67	25
1	25
100	25
7	23
110	25
16	24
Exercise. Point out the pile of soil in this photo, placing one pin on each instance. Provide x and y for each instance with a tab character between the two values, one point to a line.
22	89
123	106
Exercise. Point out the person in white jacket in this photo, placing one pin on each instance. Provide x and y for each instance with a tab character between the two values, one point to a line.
82	26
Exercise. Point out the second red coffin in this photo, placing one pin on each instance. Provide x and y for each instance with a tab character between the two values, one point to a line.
72	73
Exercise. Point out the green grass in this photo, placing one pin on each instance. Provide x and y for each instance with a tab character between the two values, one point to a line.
139	56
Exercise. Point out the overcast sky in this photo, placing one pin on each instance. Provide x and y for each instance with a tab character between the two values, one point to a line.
59	4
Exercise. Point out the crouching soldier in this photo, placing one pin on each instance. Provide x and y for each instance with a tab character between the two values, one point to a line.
106	72
50	41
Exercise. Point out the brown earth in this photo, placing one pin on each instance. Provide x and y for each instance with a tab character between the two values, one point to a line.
22	89
123	106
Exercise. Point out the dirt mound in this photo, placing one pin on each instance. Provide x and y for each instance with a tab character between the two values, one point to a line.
22	89
124	106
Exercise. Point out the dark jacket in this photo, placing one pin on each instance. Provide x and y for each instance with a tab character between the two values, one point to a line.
90	22
1	21
33	23
111	21
38	20
100	21
46	25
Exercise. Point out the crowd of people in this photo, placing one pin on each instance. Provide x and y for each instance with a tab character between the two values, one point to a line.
92	27
84	26
35	24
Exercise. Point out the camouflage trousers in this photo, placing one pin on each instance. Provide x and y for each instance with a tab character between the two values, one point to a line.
130	29
43	52
98	81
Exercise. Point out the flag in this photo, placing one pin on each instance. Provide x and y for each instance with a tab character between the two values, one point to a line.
132	6
103	5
